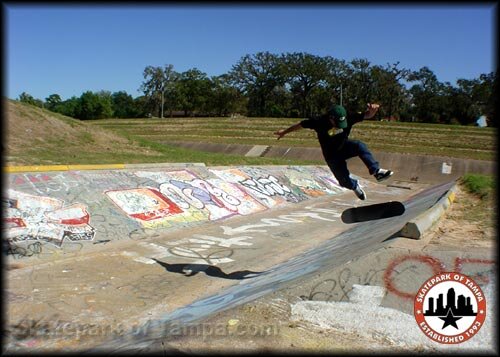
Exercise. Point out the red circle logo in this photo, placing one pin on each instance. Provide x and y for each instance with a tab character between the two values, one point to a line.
450	308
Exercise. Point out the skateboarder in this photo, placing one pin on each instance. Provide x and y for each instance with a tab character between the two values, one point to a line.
333	129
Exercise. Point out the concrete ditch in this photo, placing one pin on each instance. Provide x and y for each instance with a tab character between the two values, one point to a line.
55	196
409	167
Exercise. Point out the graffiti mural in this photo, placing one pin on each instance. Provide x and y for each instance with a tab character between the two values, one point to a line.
44	184
202	199
29	217
262	186
144	204
312	181
201	195
57	206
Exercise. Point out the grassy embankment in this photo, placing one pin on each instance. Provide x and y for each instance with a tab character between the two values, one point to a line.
36	136
425	139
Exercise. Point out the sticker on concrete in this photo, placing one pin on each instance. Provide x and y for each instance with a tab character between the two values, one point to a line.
446	168
450	308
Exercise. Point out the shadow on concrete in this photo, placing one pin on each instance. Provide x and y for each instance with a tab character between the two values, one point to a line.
209	270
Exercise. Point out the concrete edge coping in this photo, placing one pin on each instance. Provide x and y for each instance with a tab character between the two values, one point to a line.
45	168
415	228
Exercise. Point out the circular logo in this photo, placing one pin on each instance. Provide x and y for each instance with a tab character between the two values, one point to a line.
450	308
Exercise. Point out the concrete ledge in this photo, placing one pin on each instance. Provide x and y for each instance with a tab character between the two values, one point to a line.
415	228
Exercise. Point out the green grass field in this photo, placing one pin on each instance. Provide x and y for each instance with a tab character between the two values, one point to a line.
36	136
413	138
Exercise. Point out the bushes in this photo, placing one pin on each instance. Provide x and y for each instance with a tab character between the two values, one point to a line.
480	185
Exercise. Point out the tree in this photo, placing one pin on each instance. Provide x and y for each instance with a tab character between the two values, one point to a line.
193	88
88	105
425	95
304	72
256	76
28	99
52	102
224	98
153	86
142	107
471	99
337	80
388	90
160	84
467	105
123	105
490	84
484	96
361	85
70	107
95	105
105	109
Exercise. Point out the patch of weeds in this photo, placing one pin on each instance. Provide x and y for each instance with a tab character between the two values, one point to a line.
86	138
479	185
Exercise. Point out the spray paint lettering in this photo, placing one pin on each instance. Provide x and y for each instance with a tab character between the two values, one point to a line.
29	217
397	267
144	204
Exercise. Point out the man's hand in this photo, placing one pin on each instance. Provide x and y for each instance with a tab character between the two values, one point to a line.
283	132
280	133
371	110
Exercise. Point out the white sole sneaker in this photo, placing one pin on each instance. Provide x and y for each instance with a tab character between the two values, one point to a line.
360	193
384	176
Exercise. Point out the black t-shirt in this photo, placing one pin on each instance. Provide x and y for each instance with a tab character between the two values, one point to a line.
331	141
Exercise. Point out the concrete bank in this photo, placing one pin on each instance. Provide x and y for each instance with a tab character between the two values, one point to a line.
119	247
67	209
115	248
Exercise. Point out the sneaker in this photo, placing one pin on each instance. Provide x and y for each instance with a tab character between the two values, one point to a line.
382	174
359	192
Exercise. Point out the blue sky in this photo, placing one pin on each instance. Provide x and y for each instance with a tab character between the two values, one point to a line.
69	49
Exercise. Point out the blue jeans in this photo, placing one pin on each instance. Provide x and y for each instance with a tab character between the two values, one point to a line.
338	164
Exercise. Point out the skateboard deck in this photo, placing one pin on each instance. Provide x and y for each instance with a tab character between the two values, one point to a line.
373	212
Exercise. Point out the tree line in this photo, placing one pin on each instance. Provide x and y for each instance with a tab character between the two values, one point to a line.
294	85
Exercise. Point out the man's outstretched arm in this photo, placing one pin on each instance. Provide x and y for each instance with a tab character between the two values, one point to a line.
282	133
371	110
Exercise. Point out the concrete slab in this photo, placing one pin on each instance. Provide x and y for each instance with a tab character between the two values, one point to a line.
114	249
257	151
417	227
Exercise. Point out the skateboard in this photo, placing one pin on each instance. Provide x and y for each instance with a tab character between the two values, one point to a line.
373	212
